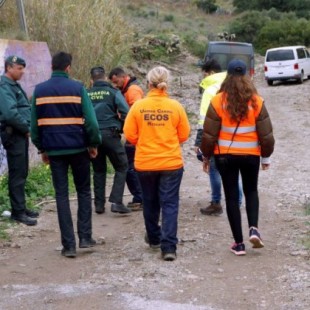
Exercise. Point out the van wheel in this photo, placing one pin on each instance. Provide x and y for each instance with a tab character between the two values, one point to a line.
269	82
301	79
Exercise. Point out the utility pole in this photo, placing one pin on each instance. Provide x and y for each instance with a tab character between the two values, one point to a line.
1	3
22	17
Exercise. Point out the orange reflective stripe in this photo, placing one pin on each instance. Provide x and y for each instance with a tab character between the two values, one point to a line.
63	99
61	121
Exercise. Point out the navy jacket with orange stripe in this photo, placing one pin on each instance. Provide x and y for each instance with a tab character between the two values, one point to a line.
63	120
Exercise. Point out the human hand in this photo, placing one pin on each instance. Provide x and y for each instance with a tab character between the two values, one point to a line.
93	152
45	158
206	165
265	166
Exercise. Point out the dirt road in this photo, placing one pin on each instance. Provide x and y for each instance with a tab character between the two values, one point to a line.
123	273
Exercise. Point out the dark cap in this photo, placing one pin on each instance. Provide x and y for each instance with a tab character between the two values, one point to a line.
97	70
15	60
236	67
211	65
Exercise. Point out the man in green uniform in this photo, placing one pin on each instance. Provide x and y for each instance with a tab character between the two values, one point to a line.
15	123
111	109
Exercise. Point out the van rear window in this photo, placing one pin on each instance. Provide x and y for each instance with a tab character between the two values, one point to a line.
280	55
224	59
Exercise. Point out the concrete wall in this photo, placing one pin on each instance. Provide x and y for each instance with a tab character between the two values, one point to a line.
38	69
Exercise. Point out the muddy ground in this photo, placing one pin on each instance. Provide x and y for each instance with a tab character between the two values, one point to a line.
123	273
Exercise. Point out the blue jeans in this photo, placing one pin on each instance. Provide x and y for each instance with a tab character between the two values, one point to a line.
132	178
80	166
216	183
161	193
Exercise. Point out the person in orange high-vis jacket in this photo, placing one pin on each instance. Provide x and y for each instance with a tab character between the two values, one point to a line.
157	125
237	131
132	92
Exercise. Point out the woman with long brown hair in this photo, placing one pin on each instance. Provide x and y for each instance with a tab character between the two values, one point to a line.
237	131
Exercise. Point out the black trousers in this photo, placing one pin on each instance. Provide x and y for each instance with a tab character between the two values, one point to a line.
80	166
112	148
229	167
16	146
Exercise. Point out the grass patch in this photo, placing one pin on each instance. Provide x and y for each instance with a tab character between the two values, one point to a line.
307	206
38	187
3	234
306	241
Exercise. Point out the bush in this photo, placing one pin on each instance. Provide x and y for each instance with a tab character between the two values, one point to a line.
283	32
247	27
169	18
208	6
95	32
194	46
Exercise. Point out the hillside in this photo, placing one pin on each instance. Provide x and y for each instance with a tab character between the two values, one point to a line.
181	18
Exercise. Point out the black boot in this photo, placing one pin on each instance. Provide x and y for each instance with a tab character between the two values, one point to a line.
23	218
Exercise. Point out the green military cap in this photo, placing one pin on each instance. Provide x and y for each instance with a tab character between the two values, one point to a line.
15	60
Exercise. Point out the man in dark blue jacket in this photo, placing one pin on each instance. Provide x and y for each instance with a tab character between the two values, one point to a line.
65	131
111	109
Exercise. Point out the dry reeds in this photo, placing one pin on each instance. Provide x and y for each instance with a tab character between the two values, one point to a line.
93	31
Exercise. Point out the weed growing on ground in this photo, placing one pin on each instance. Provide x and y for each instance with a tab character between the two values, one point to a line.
306	240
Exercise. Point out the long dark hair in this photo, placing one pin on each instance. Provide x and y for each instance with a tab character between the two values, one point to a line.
238	91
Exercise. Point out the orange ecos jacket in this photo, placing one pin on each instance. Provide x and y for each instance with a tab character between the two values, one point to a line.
157	125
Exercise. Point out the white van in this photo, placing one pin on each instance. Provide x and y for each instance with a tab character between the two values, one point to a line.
287	63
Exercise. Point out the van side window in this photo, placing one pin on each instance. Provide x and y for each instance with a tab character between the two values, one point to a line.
300	53
307	53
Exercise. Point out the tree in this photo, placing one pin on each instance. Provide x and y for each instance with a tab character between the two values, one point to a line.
300	7
247	27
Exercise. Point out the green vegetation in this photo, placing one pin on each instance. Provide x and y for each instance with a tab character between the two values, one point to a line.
93	31
306	240
300	7
307	206
39	187
267	29
3	234
208	6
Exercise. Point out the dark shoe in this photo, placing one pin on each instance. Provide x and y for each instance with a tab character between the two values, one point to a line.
71	252
169	257
119	208
152	246
214	208
31	213
238	249
255	238
23	218
87	243
99	209
135	206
